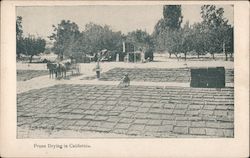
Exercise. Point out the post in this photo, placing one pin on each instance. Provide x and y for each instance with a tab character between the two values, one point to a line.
117	57
98	70
134	58
123	47
224	50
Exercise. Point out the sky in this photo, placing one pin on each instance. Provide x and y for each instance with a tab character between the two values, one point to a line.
38	21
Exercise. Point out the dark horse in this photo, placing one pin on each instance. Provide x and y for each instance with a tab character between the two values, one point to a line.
59	69
52	69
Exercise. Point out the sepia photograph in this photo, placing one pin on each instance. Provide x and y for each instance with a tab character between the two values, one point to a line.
124	79
125	71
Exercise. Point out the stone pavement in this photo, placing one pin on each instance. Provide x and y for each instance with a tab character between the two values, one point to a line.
154	74
142	111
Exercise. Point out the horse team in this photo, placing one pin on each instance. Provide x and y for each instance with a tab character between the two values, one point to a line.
59	69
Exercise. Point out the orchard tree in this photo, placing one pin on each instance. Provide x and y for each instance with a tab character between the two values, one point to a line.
69	41
187	37
19	37
166	32
199	39
27	45
93	34
159	35
172	20
174	42
140	38
219	32
172	16
33	46
230	41
159	27
111	40
97	37
65	36
19	28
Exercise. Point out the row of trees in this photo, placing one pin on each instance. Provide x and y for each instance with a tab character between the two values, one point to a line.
69	41
212	35
27	45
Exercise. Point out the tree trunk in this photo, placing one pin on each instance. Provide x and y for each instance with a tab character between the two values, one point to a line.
31	58
213	55
185	56
170	55
224	50
231	56
176	54
61	56
198	55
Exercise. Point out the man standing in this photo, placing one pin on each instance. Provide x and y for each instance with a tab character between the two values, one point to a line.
98	69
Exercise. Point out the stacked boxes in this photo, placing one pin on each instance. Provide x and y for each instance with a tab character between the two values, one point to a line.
208	77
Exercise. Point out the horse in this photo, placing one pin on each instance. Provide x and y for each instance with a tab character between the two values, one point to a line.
62	69
52	69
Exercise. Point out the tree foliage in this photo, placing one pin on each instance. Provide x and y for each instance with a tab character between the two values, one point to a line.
141	39
219	32
27	45
69	41
19	28
97	37
33	46
212	35
65	36
19	34
166	32
172	16
187	36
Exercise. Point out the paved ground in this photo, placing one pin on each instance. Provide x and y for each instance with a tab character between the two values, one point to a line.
75	108
154	74
142	111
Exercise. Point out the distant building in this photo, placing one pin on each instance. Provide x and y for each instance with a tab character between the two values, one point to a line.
133	54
